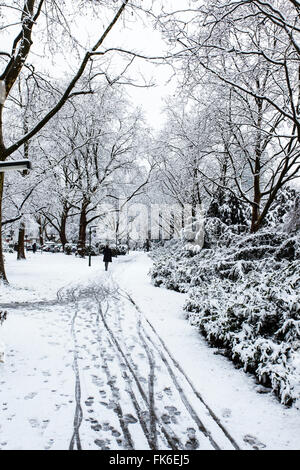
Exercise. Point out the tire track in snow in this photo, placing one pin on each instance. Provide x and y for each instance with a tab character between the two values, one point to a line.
148	349
172	440
153	345
151	442
151	434
173	376
151	380
117	409
78	409
75	295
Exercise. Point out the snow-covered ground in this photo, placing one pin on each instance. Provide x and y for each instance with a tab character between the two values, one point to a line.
42	275
99	360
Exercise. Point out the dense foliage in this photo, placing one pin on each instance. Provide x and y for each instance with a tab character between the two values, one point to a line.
244	295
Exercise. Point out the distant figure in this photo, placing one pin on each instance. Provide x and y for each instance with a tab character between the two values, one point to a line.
107	256
34	248
147	244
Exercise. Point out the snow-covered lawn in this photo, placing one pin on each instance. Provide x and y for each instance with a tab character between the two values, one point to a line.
111	363
40	277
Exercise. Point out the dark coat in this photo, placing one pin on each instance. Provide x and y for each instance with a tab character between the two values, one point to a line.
107	254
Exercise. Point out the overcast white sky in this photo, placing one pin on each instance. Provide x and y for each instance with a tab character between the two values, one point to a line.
138	35
130	33
140	38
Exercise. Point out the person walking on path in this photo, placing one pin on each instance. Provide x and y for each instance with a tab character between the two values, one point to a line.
34	247
107	256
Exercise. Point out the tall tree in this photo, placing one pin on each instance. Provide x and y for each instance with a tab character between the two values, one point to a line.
30	14
252	49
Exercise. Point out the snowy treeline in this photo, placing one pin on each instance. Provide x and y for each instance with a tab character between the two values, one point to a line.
63	105
232	124
244	292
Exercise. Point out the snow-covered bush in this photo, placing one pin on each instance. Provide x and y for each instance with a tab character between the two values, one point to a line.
193	232
171	259
226	207
244	296
226	215
292	220
282	209
257	322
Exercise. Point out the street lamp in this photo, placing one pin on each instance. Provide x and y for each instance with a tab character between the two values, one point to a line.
15	165
90	244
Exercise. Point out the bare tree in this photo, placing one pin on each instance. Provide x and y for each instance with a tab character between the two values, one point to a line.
251	47
17	59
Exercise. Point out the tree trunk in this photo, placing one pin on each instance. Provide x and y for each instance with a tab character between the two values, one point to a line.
2	158
63	226
21	242
82	229
255	222
255	225
63	238
2	266
41	232
196	198
41	236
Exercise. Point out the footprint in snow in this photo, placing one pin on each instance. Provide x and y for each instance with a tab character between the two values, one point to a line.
107	427
172	410
166	419
96	427
89	401
253	442
49	444
45	423
226	413
34	423
192	443
130	419
30	396
102	444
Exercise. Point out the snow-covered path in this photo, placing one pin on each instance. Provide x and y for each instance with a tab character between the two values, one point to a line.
111	363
